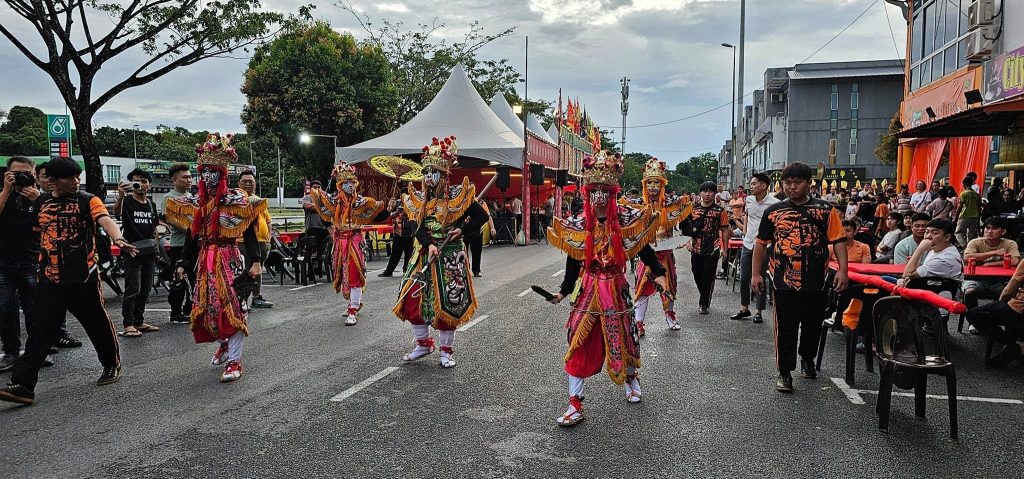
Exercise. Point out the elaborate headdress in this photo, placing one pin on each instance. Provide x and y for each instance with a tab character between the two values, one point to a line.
441	155
602	168
217	151
655	168
344	172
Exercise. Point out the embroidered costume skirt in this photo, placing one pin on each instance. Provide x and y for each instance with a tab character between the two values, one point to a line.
601	329
645	285
441	294
349	262
216	310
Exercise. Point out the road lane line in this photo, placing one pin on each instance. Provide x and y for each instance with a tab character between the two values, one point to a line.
854	395
376	271
363	385
158	310
304	287
473	322
524	293
559	272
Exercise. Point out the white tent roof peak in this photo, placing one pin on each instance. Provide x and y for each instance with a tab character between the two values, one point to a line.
553	132
533	124
457	110
504	111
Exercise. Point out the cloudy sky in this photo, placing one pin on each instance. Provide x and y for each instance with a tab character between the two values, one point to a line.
670	49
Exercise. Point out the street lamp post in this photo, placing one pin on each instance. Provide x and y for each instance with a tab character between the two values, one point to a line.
307	138
135	146
252	163
733	130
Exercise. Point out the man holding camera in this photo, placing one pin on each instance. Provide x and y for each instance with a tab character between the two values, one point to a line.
19	250
138	224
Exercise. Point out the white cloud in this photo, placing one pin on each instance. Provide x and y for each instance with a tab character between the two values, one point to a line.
391	7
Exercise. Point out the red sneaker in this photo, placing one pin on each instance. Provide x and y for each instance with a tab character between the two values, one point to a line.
232	372
220	356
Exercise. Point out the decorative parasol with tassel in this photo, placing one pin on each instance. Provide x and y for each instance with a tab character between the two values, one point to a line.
398	168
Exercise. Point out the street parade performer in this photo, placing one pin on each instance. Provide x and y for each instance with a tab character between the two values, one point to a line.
347	213
600	242
437	289
671	209
216	219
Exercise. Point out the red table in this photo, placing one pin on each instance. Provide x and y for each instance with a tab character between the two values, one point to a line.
290	237
115	250
379	229
897	270
735	243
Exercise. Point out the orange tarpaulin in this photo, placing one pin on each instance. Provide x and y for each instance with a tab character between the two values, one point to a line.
968	153
927	154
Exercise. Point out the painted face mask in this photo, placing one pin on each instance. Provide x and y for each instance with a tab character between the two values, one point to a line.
599	198
653	187
348	187
432	177
210	177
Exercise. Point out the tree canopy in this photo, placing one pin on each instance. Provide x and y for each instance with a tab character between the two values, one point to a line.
422	63
313	79
72	40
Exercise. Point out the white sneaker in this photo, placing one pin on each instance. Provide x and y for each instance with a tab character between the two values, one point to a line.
633	393
351	318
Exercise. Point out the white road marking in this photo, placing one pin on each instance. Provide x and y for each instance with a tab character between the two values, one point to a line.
158	310
473	322
376	271
524	293
559	272
364	384
854	395
304	287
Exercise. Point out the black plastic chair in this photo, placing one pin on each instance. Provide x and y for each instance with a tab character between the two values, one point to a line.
939	285
302	262
279	258
869	295
903	357
324	259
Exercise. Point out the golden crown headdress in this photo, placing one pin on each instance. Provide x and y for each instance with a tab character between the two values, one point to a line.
344	172
602	168
441	154
655	168
217	151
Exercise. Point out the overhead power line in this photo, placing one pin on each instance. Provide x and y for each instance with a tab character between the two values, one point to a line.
719	107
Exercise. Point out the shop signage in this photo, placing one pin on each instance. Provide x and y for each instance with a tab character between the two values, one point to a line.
1004	76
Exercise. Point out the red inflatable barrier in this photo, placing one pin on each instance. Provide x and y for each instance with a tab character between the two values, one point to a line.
911	294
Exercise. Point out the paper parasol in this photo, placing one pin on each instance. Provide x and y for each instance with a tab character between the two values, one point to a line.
397	167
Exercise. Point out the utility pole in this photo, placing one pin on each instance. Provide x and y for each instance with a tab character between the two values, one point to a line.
737	169
625	109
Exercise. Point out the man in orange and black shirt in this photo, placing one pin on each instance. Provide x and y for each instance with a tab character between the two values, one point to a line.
68	279
799	231
708	225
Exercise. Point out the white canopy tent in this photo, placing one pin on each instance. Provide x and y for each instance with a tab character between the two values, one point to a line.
457	110
533	124
553	132
504	111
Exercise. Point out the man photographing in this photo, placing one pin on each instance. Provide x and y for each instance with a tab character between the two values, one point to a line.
138	223
19	250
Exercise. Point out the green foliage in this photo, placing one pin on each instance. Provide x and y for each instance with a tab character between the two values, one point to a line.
888	145
313	79
160	36
422	62
633	170
24	132
688	175
541	108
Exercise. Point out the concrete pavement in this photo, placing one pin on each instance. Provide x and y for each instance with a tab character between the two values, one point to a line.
709	407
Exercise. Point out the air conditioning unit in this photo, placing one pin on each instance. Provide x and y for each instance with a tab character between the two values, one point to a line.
979	47
981	12
778	97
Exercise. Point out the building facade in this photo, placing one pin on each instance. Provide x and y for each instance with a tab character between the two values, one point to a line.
964	94
822	114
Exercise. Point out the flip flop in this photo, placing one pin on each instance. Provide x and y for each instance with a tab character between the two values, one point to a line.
130	334
148	328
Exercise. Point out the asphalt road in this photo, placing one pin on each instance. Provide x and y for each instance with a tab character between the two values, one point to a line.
709	407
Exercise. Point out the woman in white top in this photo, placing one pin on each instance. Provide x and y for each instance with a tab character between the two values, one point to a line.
897	231
921	198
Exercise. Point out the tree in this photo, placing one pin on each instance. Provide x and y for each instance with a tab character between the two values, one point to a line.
888	144
313	79
688	175
24	132
78	42
633	170
422	64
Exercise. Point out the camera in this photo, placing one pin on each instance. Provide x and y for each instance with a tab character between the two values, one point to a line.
136	185
23	179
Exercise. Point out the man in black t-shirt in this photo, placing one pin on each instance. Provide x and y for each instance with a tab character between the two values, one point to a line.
708	226
138	224
19	250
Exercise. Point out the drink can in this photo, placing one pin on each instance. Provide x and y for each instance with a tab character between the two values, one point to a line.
1006	261
971	265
